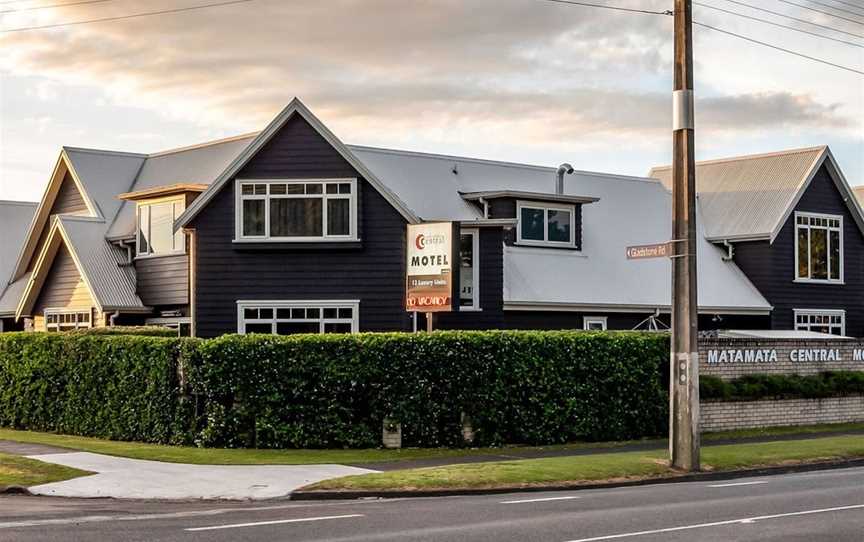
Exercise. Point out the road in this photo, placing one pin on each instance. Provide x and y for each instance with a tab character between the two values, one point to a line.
826	505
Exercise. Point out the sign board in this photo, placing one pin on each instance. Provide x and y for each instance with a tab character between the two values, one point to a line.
429	270
641	252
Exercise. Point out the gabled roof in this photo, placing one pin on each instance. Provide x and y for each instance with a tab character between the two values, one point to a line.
296	107
750	197
111	285
15	218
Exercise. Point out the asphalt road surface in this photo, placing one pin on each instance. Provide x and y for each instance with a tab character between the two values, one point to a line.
826	505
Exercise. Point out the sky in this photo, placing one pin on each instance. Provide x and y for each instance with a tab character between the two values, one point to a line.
530	81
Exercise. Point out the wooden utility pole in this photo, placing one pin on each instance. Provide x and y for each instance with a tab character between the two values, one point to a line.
684	375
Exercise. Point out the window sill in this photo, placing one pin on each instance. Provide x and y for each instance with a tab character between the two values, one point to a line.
283	246
523	244
817	281
470	309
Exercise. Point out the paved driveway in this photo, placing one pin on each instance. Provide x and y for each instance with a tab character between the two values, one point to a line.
139	479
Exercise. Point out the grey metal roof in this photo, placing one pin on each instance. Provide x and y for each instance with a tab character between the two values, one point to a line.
12	294
105	174
111	284
15	218
749	196
600	278
200	164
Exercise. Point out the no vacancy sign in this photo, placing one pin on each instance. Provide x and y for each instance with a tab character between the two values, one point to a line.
430	269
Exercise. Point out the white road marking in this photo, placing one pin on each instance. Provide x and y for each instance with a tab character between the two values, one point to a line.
541	500
740	484
719	523
274	522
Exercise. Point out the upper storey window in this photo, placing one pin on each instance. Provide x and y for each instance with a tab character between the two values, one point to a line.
818	247
156	234
546	224
307	210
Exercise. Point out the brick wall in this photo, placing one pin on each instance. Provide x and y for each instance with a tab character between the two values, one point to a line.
726	416
778	356
784	364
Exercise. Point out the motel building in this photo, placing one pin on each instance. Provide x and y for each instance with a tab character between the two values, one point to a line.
290	230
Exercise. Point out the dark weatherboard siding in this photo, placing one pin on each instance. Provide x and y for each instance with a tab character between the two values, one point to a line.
372	271
163	280
771	267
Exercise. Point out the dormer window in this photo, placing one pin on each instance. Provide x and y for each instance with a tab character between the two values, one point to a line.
297	210
546	224
156	236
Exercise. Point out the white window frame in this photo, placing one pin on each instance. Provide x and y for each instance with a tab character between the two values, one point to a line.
819	312
829	229
149	203
475	270
354	304
588	320
266	238
545	207
77	324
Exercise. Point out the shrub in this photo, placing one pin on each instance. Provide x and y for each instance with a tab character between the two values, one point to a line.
335	390
770	386
147	331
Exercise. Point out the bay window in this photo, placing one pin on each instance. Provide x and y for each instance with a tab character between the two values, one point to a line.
297	210
156	234
545	224
818	247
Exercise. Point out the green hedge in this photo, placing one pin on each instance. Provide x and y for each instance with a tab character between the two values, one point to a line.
147	331
335	390
763	386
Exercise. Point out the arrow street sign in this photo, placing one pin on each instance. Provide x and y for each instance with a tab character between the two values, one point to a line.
641	252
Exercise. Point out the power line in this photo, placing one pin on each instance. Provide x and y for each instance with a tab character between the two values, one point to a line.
614	8
772	23
789	51
32	8
843	10
124	17
803	6
796	19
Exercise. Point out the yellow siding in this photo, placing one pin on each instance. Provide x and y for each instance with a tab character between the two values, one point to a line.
63	289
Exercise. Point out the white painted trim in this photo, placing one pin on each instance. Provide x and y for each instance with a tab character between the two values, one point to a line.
352	198
820	312
793	202
588	320
475	270
595	307
65	310
829	229
545	207
296	106
301	303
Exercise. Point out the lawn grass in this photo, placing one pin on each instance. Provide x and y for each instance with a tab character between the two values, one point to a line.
221	456
577	470
21	471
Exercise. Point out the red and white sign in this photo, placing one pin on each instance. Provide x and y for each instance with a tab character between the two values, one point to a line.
429	286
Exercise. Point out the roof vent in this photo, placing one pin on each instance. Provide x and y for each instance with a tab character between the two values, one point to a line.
563	169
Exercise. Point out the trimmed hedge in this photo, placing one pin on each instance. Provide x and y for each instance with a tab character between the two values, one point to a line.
763	386
335	390
146	331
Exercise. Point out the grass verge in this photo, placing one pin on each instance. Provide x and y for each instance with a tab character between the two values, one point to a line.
220	456
577	470
21	471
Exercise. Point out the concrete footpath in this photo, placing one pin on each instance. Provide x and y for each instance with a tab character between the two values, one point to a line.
124	478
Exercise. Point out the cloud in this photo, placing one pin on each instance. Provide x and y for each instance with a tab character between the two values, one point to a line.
522	69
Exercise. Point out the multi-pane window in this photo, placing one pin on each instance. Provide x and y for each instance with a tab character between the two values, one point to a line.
822	321
545	224
297	210
288	318
469	270
67	320
156	228
819	247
